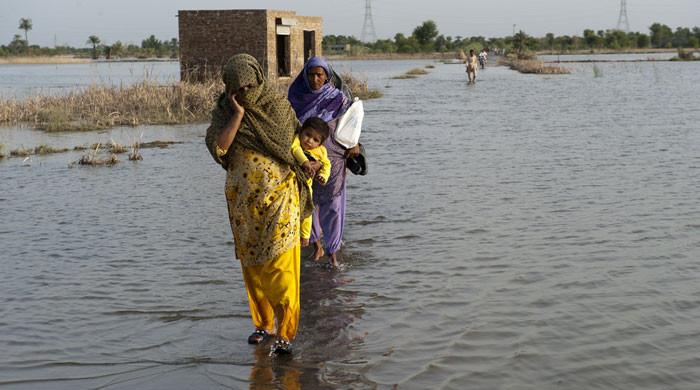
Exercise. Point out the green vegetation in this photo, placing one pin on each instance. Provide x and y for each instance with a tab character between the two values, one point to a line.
94	41
426	38
686	55
150	47
26	25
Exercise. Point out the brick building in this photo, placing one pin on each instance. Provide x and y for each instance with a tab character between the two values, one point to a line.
280	40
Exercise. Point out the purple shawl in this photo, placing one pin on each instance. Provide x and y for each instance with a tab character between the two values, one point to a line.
326	103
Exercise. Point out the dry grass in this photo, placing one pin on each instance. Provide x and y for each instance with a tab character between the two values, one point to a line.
533	66
135	154
45	149
43	60
359	88
117	148
158	144
411	74
145	103
417	71
92	158
404	76
21	152
103	106
40	150
94	151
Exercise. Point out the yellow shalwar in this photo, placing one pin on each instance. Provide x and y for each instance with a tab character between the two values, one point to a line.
263	206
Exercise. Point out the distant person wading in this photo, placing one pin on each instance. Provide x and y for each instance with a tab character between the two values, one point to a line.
472	65
251	134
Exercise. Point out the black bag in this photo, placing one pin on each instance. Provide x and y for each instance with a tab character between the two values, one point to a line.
358	165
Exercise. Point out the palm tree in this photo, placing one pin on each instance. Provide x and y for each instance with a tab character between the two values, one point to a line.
26	25
94	41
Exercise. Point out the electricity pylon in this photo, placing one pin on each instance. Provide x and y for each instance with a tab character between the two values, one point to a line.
622	19
368	26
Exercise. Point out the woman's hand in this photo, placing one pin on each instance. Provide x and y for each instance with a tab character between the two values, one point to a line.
237	108
308	169
315	165
225	138
353	152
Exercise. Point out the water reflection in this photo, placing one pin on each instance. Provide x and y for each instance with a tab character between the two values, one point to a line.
326	312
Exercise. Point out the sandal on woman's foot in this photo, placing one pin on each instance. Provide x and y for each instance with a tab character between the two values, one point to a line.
281	347
257	337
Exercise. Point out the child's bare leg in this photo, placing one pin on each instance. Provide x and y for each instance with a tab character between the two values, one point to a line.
319	251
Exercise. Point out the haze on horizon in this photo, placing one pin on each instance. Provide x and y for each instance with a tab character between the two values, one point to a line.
70	22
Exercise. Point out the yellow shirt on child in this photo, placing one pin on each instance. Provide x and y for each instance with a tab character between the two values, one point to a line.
320	154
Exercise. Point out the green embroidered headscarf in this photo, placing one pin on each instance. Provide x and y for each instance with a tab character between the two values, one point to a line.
269	123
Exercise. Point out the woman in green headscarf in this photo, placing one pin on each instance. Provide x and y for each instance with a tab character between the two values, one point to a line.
250	135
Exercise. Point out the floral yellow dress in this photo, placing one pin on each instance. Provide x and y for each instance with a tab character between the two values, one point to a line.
263	206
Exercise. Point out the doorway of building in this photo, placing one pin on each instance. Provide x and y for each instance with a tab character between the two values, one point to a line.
309	45
283	56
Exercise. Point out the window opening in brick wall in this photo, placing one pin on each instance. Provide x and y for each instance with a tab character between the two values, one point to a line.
309	44
283	56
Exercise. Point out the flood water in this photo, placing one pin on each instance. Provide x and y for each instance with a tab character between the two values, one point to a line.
526	232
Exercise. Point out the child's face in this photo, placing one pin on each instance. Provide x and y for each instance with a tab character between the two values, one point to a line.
310	138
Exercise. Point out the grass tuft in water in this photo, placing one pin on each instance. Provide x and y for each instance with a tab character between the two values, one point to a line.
533	66
92	158
135	154
360	88
417	71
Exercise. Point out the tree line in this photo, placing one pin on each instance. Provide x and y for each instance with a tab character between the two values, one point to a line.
427	38
424	38
149	48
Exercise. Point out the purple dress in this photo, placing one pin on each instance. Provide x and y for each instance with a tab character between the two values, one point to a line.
327	103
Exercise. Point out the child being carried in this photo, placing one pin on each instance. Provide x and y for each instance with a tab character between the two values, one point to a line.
309	152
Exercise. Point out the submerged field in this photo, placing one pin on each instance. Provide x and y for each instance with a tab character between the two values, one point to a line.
527	231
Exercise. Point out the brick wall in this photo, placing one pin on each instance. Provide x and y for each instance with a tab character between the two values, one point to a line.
209	38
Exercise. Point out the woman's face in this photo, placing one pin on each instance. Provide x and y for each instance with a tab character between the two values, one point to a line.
317	77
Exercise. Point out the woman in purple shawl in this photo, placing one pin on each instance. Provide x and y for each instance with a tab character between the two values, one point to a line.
318	92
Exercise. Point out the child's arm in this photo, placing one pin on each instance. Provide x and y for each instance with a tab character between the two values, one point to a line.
325	170
301	158
298	152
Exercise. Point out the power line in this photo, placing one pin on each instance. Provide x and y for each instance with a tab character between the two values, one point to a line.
622	19
368	25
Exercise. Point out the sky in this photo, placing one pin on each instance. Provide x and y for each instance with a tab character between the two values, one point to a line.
71	22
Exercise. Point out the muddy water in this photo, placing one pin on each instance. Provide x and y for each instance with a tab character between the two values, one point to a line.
525	232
